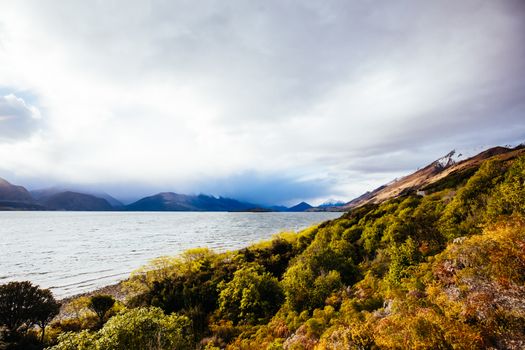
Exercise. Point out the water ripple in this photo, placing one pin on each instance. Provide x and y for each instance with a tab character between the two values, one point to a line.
74	252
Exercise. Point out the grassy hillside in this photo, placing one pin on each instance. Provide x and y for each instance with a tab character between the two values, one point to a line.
443	270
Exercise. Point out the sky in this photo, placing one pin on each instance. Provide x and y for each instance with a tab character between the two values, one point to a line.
273	101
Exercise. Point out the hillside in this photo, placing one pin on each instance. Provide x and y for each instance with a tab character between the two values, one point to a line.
442	269
169	201
425	178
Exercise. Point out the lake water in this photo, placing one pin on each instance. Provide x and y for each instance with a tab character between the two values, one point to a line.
75	252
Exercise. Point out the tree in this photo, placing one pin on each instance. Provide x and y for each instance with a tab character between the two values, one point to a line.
45	311
23	305
101	304
401	258
251	296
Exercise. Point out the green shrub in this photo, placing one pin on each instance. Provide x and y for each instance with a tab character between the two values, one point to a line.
252	296
134	329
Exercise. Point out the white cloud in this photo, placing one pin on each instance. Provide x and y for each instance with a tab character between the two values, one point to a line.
18	120
167	94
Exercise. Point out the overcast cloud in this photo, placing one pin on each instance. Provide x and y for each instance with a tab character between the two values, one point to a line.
271	101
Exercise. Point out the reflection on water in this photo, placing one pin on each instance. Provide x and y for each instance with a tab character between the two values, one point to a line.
74	252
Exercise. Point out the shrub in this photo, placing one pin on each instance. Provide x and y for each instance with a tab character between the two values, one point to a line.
252	296
134	329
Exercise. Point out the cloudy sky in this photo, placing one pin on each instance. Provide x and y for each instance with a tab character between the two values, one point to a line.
268	101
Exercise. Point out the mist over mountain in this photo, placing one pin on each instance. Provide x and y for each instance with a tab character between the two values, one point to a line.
14	197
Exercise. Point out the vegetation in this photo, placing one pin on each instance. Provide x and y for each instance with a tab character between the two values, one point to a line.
100	305
133	329
22	306
251	297
440	271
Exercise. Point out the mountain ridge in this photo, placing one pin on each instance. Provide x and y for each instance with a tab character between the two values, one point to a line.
431	174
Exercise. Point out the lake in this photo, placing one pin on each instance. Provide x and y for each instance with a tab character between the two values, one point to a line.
75	252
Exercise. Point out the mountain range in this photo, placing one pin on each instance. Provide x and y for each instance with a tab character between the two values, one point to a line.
13	197
169	201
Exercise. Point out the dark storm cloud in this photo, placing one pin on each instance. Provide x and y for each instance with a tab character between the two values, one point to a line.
266	189
251	187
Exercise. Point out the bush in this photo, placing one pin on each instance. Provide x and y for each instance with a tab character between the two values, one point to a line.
509	197
464	214
252	296
135	329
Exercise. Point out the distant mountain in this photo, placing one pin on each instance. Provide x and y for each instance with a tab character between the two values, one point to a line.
9	192
45	193
76	201
42	195
278	208
115	203
430	176
303	206
169	201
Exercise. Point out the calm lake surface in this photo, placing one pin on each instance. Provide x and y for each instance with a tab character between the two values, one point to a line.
75	252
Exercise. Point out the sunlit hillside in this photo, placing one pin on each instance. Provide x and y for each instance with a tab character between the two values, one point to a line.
439	270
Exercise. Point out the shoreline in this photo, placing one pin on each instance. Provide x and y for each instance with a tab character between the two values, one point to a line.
115	290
